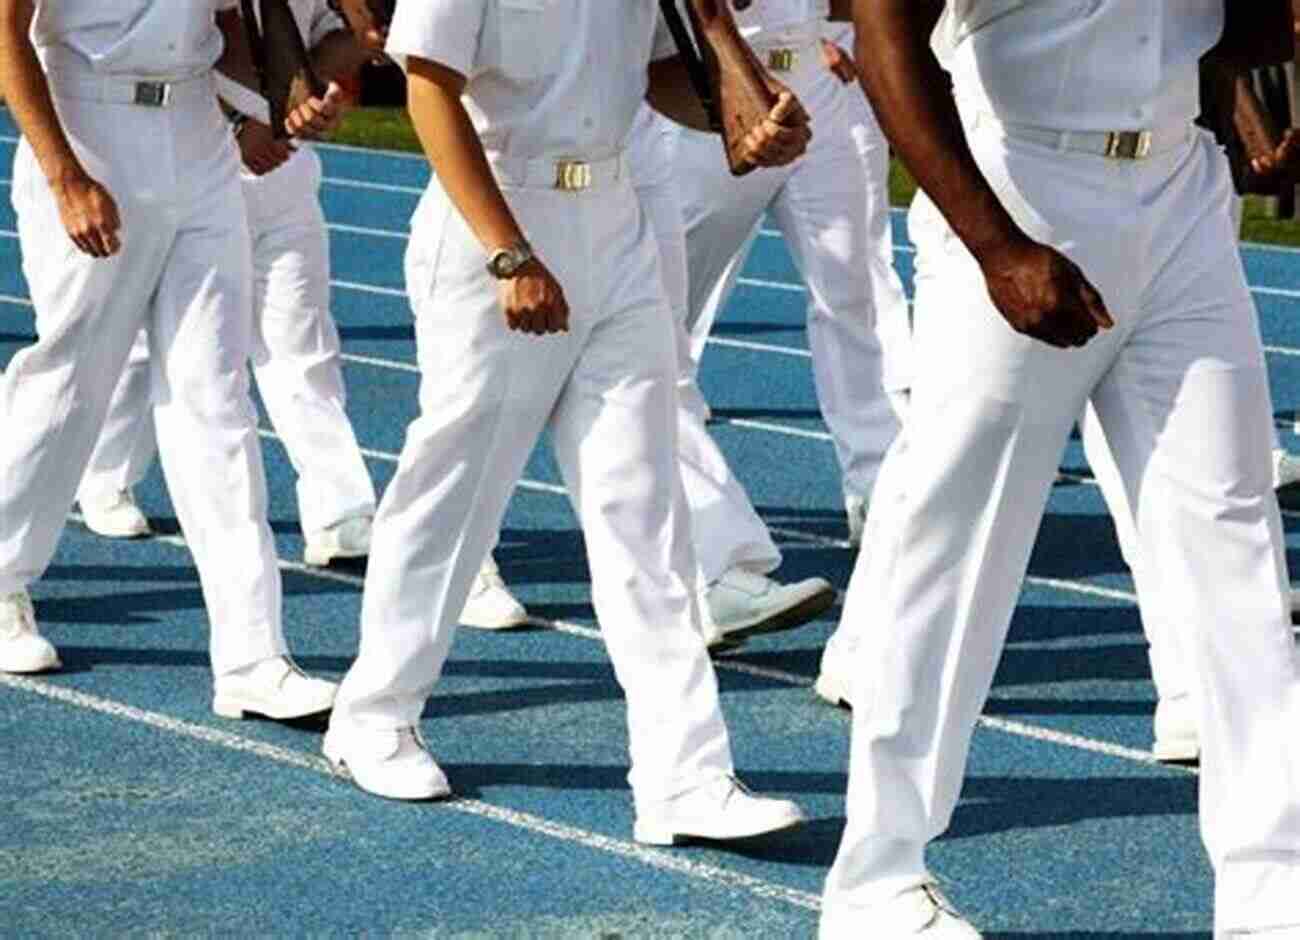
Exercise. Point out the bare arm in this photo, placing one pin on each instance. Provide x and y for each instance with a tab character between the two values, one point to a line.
672	94
532	301
86	208
1037	290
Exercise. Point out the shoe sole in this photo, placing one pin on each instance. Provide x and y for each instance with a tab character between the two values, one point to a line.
321	558
647	834
29	669
1176	752
513	623
120	534
339	767
807	609
232	708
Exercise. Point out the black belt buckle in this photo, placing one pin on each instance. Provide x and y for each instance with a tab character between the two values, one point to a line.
152	94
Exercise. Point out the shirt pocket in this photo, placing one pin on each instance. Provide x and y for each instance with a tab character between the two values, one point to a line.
533	38
967	17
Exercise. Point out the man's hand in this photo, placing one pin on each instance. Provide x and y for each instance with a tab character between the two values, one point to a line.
1282	164
839	62
1043	294
783	135
317	116
89	215
534	302
259	150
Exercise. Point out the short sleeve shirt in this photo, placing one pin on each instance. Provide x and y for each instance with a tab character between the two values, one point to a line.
162	38
765	17
545	78
1104	65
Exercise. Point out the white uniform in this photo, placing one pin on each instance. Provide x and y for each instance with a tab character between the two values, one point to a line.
183	273
1180	390
833	208
295	344
548	82
725	529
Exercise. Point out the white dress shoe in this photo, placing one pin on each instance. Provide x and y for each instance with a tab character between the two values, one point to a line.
921	912
347	539
721	809
742	603
115	516
835	679
491	606
855	512
22	648
1177	736
273	688
1286	470
395	764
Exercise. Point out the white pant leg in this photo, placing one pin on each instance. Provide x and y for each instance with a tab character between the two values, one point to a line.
1187	413
296	344
55	393
1171	672
834	212
725	529
200	332
720	214
615	439
127	444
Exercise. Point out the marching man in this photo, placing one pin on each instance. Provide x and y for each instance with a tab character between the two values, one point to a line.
1046	170
538	301
129	215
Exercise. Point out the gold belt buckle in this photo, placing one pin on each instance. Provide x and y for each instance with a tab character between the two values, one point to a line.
782	60
1128	145
152	94
572	175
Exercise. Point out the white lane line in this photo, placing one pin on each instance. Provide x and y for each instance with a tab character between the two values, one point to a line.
538	825
346	183
763	347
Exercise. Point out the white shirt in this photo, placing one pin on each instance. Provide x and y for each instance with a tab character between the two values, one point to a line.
765	17
1085	65
316	19
159	38
546	78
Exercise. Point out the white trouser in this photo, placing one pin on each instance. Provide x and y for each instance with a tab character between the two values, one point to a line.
725	528
606	391
295	359
833	208
184	274
1171	672
1181	394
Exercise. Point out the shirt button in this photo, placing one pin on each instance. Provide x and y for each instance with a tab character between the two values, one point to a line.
1144	40
587	122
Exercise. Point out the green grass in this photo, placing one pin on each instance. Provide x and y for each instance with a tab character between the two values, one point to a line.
389	129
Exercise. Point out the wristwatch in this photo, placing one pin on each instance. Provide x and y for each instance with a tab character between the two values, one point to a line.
505	263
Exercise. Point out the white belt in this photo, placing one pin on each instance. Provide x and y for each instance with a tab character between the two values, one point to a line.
132	90
1116	145
566	175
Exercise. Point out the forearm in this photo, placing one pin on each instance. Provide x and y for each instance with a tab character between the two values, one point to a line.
456	154
911	97
24	87
672	94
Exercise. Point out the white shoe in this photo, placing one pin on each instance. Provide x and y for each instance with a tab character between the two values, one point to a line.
1286	470
347	539
855	512
721	809
273	688
491	606
394	764
1177	737
921	912
115	516
22	648
742	603
835	679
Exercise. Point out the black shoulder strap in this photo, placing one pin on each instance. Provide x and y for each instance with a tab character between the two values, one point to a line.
699	75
